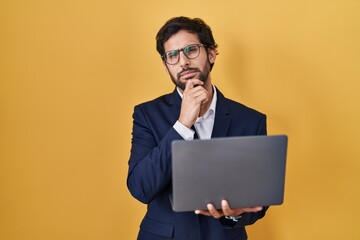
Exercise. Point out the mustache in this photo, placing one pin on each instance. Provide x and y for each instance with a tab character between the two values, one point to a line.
187	69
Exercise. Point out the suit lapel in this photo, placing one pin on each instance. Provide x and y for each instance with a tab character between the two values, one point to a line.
174	102
222	117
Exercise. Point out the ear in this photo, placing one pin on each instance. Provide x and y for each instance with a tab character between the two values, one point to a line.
211	55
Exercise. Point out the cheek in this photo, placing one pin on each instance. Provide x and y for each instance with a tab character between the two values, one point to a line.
205	65
172	71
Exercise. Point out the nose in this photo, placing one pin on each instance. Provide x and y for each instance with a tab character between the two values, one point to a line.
184	61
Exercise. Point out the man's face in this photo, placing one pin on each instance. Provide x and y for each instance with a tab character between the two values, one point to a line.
185	68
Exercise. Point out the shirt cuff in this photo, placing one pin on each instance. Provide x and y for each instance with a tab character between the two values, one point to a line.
185	133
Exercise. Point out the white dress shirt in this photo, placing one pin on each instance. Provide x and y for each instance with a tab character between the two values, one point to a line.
203	125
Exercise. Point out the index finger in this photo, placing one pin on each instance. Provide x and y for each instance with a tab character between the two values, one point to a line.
191	83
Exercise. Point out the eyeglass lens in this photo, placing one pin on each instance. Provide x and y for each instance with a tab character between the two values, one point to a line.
191	51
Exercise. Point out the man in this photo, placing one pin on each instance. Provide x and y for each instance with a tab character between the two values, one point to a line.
188	51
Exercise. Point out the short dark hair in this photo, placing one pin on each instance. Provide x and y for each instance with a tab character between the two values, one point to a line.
195	25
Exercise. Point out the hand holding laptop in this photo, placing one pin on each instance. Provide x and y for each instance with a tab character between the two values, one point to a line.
226	210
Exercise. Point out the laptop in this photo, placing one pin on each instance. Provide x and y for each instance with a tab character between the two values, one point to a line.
246	171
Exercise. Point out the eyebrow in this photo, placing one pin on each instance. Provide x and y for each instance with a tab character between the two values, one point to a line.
182	47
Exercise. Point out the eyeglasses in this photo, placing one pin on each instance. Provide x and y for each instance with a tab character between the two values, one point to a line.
190	51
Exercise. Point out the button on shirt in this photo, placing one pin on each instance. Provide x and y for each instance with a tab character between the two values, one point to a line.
203	125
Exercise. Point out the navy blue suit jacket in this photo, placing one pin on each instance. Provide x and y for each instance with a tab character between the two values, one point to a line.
149	176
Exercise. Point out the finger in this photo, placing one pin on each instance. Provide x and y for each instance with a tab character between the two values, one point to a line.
191	83
197	95
198	91
226	208
200	94
203	212
215	213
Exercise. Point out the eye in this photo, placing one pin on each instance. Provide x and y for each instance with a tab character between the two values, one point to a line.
190	49
172	54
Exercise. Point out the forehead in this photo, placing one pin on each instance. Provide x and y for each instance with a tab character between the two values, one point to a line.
181	39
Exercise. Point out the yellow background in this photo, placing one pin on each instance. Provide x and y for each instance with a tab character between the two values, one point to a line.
72	70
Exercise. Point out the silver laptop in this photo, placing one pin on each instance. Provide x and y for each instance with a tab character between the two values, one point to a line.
246	171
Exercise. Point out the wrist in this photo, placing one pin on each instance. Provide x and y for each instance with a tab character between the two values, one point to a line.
186	124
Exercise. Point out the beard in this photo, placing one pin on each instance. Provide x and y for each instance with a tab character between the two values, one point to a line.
201	75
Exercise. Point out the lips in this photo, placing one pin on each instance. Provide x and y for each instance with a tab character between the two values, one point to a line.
188	73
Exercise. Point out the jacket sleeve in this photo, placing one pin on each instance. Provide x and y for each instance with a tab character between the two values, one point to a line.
150	159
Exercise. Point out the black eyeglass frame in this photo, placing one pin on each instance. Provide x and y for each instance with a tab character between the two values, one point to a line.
182	50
